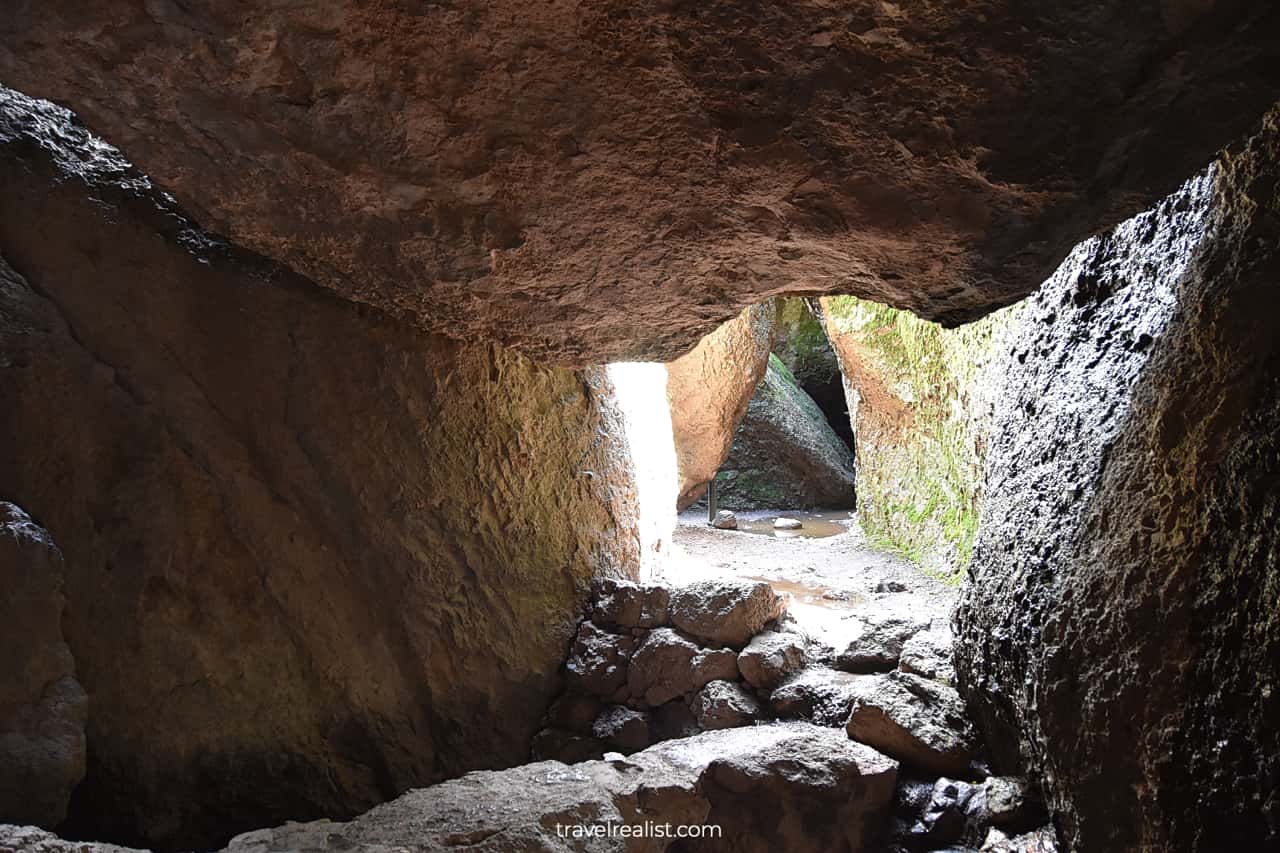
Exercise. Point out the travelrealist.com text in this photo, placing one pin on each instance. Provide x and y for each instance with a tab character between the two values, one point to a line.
647	829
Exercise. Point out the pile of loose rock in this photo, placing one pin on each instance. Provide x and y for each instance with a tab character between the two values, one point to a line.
654	663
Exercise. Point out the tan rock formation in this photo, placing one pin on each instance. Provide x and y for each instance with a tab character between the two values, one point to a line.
590	180
313	554
708	390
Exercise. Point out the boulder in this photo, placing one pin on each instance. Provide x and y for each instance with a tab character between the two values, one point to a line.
43	708
725	612
29	839
928	654
1043	840
668	665
597	662
1121	621
947	813
771	656
792	787
819	694
920	722
623	728
625	604
878	646
708	389
785	455
724	705
784	523
725	520
1011	804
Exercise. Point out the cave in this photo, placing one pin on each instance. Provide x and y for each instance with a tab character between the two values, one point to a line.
363	367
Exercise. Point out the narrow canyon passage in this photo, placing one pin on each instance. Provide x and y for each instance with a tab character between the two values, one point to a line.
580	426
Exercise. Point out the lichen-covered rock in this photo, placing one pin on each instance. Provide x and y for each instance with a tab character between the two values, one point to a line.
596	187
878	646
785	786
667	666
921	723
784	453
623	728
817	693
312	553
42	705
723	705
625	604
725	612
708	390
771	656
1122	618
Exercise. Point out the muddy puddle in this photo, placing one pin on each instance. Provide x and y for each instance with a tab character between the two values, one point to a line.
815	595
817	525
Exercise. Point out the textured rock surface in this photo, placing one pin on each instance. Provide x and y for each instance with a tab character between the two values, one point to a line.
708	390
597	661
42	705
771	656
291	525
800	342
878	646
785	455
625	604
495	171
929	653
726	612
668	665
790	786
29	839
723	705
818	694
1122	620
623	728
920	722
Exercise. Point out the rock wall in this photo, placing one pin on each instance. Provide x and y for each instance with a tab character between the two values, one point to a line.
313	554
708	390
596	180
920	399
800	343
784	454
42	705
1121	622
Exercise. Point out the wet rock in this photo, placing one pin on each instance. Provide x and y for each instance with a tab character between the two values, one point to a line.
668	665
565	746
708	389
787	786
724	705
623	728
771	656
725	520
625	604
674	720
574	711
818	693
878	646
784	523
43	708
918	721
928	654
1122	620
1043	840
598	661
725	612
785	454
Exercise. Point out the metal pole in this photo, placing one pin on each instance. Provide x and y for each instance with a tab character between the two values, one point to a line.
711	502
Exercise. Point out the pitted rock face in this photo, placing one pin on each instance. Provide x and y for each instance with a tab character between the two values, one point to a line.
921	723
600	181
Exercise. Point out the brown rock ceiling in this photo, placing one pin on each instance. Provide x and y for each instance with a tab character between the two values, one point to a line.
594	180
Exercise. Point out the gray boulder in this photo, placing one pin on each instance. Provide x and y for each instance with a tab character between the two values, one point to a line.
668	665
819	694
878	646
771	656
725	520
725	612
625	604
724	705
918	721
928	654
623	728
597	662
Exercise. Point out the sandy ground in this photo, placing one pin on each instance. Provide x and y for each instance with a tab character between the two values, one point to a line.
830	580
